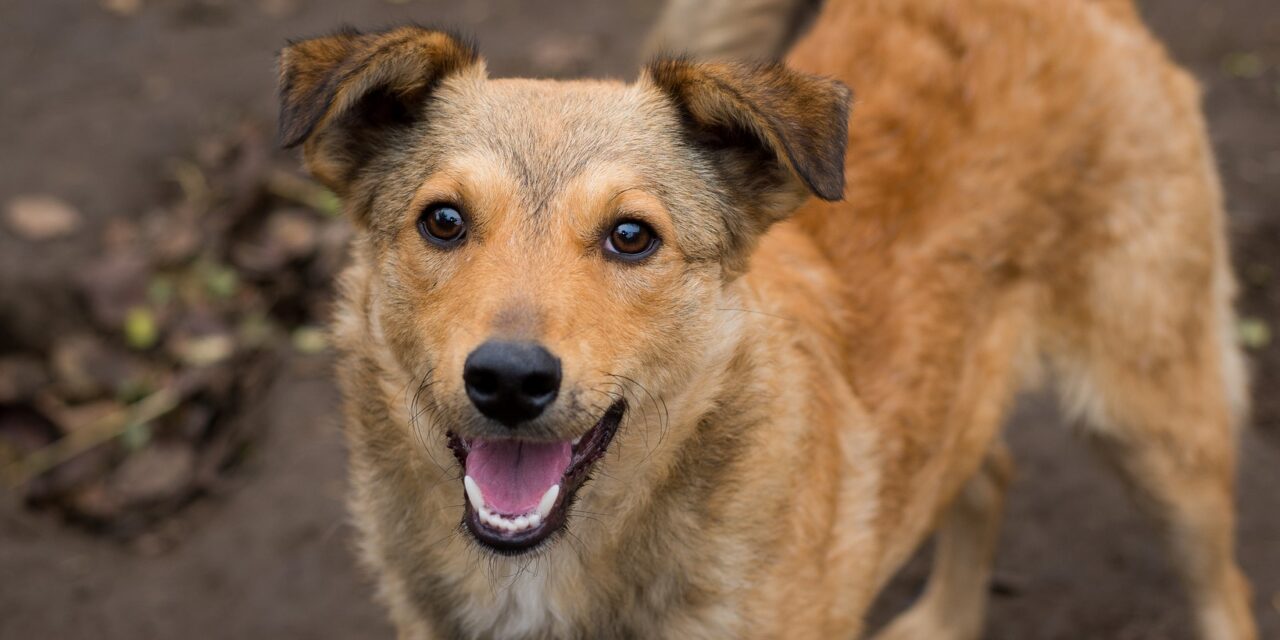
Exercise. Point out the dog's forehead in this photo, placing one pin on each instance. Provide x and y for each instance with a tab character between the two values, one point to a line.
547	114
547	132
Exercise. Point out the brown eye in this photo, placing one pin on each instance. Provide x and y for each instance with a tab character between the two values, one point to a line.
442	224
631	240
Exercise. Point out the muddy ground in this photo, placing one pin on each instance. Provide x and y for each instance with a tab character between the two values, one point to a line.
99	100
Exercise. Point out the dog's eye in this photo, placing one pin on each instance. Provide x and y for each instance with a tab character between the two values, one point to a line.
631	240
442	224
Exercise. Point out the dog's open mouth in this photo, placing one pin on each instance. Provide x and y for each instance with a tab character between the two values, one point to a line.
518	491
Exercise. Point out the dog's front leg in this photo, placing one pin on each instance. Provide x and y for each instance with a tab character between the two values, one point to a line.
954	602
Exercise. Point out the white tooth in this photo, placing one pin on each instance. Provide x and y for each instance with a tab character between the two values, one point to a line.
522	523
577	440
534	520
508	525
548	500
473	493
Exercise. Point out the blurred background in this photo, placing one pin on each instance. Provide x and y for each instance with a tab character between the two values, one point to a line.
170	452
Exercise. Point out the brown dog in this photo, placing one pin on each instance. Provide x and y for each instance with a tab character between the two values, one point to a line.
611	372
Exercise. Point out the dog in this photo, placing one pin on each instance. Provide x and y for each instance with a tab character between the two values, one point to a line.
710	354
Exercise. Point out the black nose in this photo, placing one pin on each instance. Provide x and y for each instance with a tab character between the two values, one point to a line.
511	382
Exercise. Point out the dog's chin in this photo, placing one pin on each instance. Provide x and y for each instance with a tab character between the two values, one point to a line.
518	492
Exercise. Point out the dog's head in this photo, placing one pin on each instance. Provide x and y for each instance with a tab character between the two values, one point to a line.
545	257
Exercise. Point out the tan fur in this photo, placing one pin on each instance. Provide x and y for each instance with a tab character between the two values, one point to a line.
1026	181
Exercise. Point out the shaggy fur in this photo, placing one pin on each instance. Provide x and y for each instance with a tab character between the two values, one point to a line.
813	386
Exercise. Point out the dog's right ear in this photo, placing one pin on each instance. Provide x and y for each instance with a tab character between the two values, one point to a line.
344	96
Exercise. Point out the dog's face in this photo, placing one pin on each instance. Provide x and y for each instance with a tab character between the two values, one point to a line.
547	257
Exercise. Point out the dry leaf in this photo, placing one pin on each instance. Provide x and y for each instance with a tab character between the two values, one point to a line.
122	7
113	284
81	416
279	8
153	474
83	366
206	350
41	217
21	377
294	231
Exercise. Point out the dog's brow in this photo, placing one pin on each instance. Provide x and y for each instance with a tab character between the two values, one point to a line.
619	194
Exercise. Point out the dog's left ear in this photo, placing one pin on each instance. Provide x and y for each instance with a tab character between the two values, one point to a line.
775	135
347	95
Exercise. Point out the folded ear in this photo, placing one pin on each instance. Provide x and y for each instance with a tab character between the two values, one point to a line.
345	95
772	131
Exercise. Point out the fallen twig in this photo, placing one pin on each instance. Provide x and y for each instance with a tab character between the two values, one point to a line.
288	186
102	430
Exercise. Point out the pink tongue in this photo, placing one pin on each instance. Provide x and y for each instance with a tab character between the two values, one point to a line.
513	475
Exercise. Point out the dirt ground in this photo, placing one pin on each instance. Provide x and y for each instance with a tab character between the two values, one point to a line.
98	100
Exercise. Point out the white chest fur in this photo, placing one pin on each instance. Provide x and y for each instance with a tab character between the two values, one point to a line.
522	602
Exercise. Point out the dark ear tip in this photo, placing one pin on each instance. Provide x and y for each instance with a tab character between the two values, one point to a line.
288	132
287	142
286	138
829	188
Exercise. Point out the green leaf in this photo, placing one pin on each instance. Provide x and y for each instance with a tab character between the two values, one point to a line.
140	330
309	340
160	290
255	329
136	436
1244	64
133	389
1254	333
327	203
221	281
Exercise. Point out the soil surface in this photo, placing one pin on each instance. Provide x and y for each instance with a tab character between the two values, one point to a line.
100	99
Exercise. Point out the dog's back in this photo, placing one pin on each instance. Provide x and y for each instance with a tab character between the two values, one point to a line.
1031	182
1016	145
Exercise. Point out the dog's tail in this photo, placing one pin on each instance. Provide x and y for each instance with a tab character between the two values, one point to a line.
730	29
759	29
